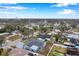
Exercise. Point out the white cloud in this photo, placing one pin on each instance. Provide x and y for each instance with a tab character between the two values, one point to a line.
7	12
67	11
63	4
16	8
13	7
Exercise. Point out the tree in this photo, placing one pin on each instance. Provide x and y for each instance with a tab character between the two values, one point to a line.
2	41
25	31
35	28
4	52
56	37
1	51
9	28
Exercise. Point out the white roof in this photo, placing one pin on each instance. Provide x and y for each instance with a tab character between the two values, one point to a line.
50	33
76	33
53	32
34	47
67	43
60	45
40	39
19	45
57	30
73	36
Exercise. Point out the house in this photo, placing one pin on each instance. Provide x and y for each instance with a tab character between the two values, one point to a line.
34	48
68	44
77	44
34	45
56	24
45	37
75	36
72	38
41	39
57	30
18	52
2	26
73	51
53	32
19	44
16	32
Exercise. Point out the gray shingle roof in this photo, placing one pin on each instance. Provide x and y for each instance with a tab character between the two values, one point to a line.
35	42
45	36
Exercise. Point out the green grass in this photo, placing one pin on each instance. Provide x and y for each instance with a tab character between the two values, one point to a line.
57	51
25	41
15	37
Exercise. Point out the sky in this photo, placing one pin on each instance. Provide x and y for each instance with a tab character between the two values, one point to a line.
39	10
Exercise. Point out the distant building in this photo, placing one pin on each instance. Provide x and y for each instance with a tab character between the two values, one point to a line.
1	26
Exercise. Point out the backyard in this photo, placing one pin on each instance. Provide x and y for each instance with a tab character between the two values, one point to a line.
57	51
14	37
46	49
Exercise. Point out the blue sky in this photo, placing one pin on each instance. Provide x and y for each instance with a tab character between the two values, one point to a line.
39	10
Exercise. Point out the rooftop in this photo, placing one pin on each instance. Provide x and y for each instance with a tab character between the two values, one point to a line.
35	42
34	48
44	36
34	45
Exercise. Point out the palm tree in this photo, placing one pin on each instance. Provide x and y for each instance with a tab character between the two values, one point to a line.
1	51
